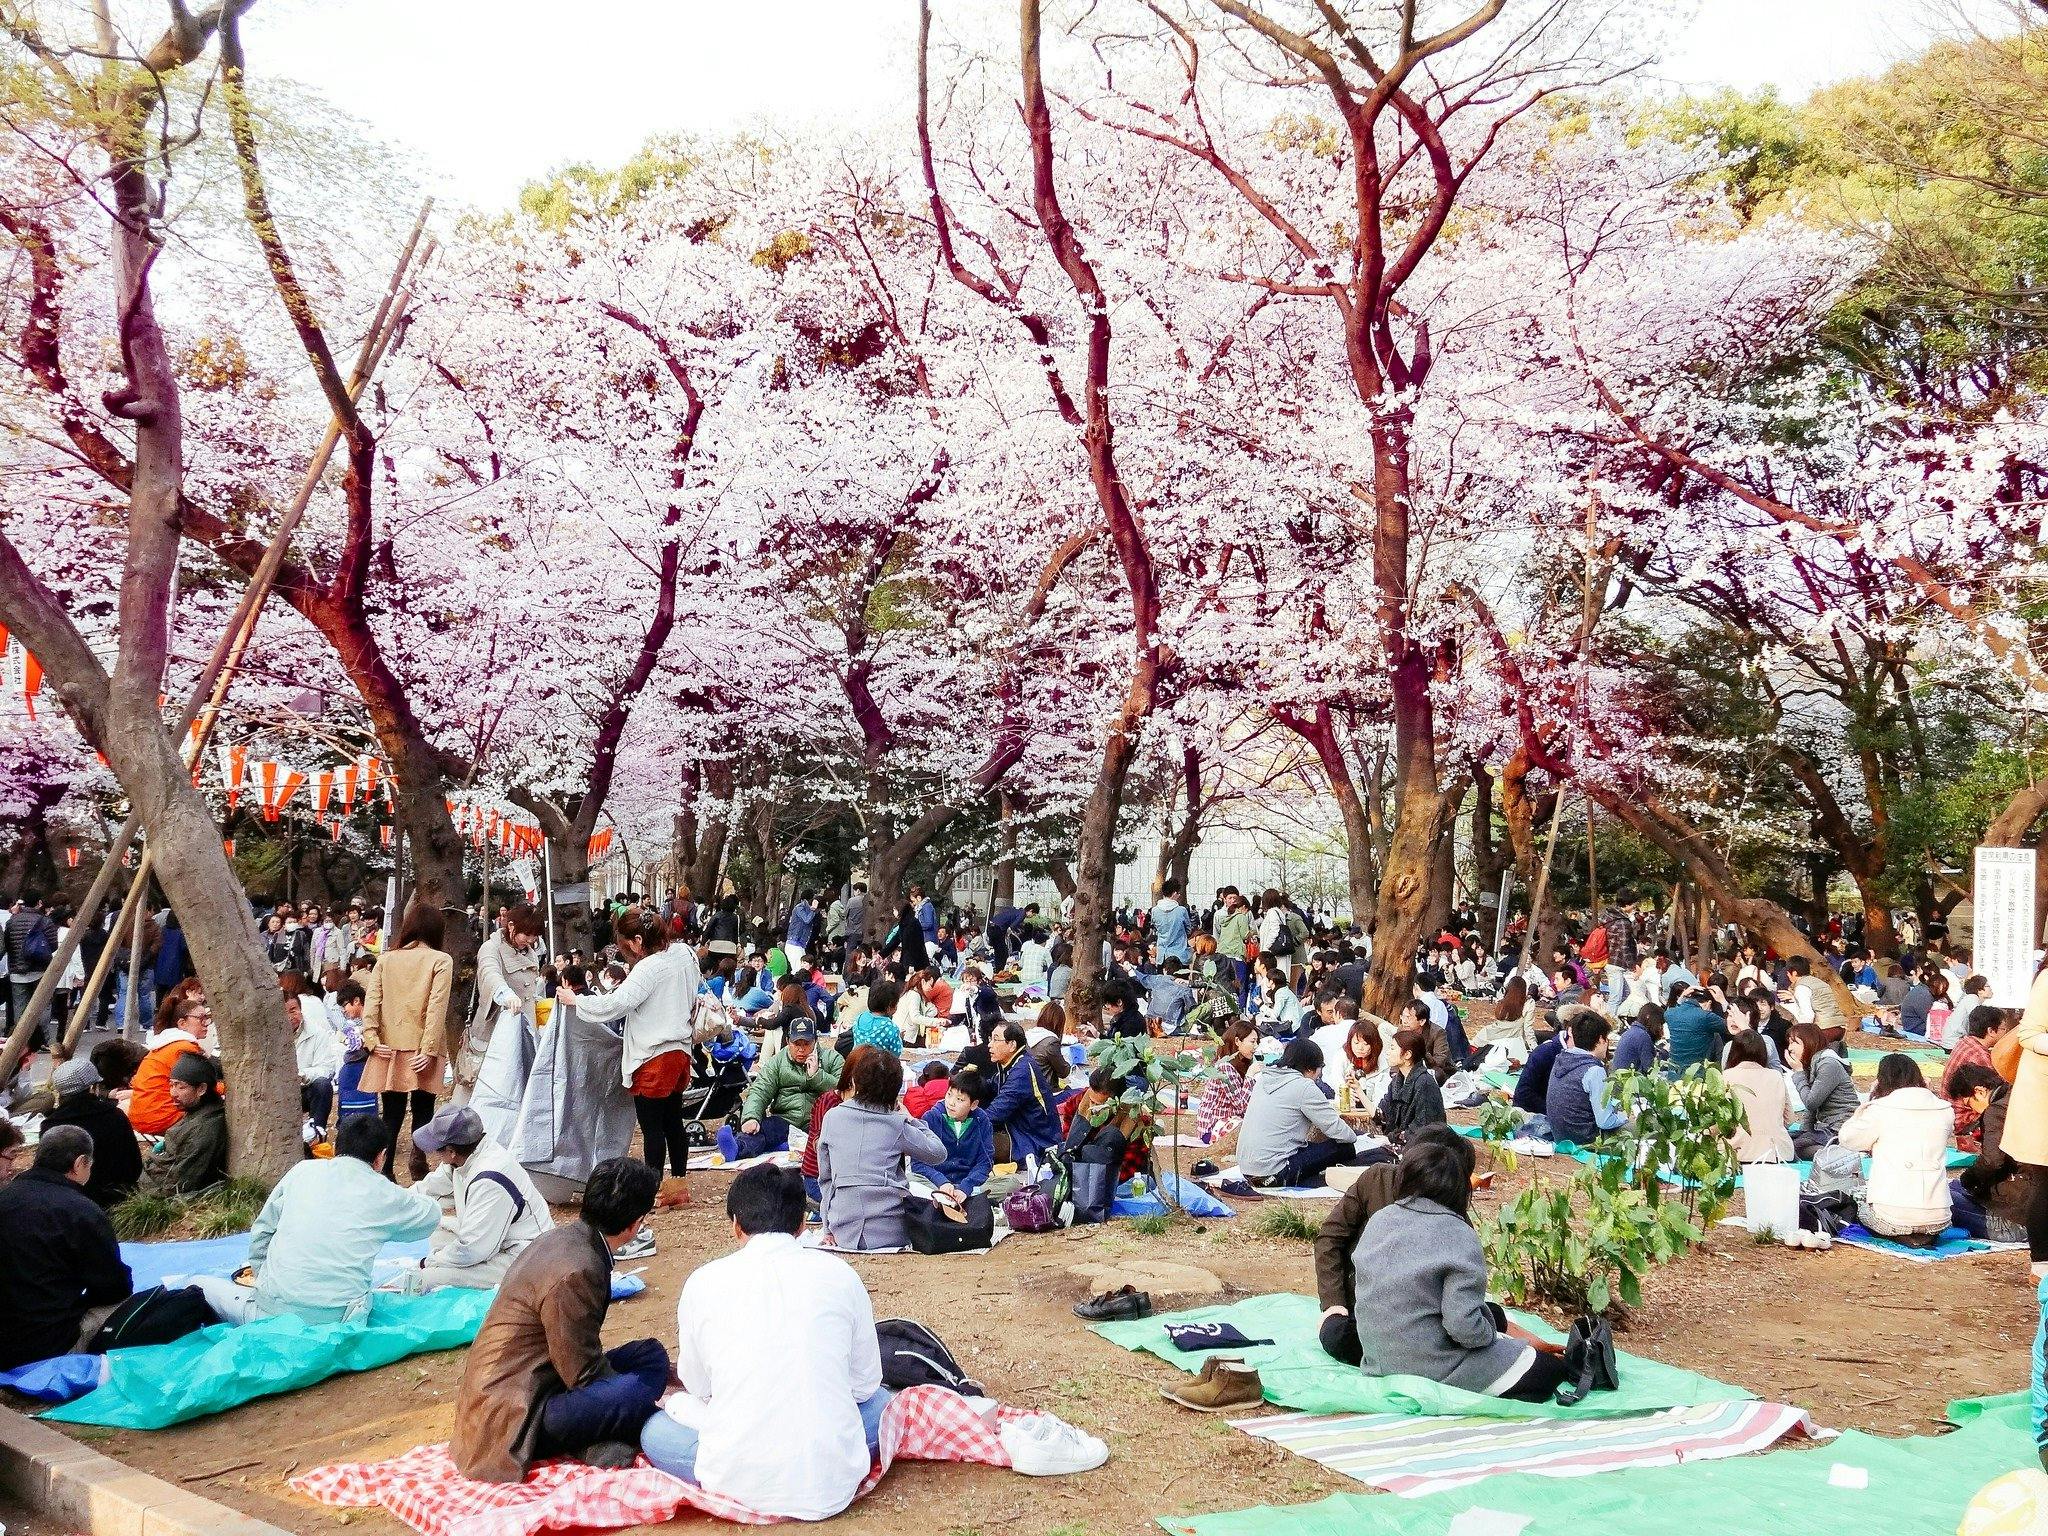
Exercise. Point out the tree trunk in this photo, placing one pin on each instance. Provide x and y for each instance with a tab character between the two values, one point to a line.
1360	840
1765	919
1003	882
1095	874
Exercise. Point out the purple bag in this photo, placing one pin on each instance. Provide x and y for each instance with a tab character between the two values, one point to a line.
1029	1209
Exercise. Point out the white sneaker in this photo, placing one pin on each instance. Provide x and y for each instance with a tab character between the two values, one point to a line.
1043	1446
642	1247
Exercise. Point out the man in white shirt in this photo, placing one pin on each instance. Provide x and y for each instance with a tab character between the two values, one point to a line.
782	1399
317	1046
491	1207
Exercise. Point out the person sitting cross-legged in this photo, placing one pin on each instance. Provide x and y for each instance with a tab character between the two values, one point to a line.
782	1396
313	1249
1291	1130
961	1125
60	1265
492	1208
538	1381
784	1092
1576	1102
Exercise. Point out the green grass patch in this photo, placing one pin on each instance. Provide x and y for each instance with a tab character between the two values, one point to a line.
1284	1218
1156	1225
145	1215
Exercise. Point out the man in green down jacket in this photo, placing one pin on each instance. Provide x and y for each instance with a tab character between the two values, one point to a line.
784	1092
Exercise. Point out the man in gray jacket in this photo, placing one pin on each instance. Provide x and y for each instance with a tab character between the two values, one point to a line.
1291	1130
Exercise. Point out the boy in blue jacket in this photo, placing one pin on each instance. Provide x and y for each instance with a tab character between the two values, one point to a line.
963	1126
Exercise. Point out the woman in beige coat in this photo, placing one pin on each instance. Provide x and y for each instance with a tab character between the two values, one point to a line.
1766	1106
2026	1118
405	1029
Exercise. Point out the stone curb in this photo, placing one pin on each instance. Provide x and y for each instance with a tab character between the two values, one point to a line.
68	1481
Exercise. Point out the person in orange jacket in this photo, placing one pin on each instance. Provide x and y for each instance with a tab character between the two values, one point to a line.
181	1024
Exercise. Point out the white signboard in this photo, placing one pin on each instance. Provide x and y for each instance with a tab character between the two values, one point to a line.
2002	944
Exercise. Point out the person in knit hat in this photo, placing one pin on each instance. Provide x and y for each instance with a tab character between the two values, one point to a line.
193	1154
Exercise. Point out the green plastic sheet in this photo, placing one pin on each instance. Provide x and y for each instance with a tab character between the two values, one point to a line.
219	1368
1297	1374
1921	1484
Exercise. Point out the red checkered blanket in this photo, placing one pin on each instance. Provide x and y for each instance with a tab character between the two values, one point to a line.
423	1489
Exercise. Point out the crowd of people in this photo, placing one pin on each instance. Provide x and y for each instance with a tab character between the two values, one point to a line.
877	1073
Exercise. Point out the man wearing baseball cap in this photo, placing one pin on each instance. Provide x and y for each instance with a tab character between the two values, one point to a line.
117	1160
490	1207
193	1154
784	1092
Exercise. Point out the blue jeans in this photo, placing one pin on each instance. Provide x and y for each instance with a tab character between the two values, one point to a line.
772	1137
611	1408
145	1000
673	1447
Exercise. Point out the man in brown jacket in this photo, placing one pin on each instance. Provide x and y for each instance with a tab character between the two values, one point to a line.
539	1381
1371	1192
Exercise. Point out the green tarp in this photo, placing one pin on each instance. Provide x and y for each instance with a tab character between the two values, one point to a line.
1918	1485
219	1368
1297	1374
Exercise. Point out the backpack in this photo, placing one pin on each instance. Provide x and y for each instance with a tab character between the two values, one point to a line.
913	1356
1588	1361
154	1316
38	945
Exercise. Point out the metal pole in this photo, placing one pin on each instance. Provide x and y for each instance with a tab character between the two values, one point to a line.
547	864
210	690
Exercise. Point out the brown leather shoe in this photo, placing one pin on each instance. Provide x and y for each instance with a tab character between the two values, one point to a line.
1231	1384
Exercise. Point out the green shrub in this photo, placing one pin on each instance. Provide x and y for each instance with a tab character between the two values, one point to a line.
1156	1225
1685	1128
228	1208
1583	1244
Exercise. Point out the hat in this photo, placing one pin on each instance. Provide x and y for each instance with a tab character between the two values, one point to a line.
801	1029
193	1069
458	1126
75	1077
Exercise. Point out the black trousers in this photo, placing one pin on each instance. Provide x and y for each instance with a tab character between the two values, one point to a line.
2037	1213
392	1107
661	1132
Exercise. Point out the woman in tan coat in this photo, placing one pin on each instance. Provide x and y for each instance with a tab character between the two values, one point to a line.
2026	1119
405	1029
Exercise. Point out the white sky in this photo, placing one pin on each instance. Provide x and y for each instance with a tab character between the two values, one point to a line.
493	93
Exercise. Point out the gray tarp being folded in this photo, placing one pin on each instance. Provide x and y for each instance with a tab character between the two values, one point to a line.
554	1097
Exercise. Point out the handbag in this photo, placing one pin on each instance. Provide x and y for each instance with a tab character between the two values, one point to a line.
2005	1055
1588	1361
154	1316
1029	1209
931	1230
1093	1191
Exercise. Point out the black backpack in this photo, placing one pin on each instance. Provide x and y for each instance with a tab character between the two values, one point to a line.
1588	1361
913	1356
154	1316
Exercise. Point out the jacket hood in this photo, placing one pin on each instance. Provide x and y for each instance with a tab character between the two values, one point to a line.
1276	1079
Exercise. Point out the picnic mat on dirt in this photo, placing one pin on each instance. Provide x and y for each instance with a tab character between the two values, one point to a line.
1411	1456
1955	1243
1579	1154
218	1368
1855	1482
153	1263
423	1489
1297	1374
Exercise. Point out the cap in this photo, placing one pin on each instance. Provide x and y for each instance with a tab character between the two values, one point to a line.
193	1069
457	1126
801	1029
75	1077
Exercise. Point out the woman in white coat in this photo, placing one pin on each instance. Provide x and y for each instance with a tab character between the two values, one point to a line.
1906	1131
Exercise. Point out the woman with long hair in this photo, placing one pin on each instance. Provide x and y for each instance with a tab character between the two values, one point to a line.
657	1002
405	1029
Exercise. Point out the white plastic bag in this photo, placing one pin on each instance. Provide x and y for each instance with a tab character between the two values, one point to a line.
1770	1194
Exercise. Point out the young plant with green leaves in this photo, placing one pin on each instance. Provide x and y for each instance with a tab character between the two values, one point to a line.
1153	1089
1685	1128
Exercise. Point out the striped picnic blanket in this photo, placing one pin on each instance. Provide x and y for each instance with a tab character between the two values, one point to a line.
1400	1453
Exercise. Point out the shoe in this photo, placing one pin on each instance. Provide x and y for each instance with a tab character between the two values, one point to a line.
728	1144
1232	1384
1116	1306
642	1247
611	1455
1043	1446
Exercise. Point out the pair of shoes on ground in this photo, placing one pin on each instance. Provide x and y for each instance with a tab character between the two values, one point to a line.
1820	1242
1118	1306
1223	1384
1045	1446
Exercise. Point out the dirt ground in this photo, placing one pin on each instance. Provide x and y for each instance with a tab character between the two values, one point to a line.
1863	1340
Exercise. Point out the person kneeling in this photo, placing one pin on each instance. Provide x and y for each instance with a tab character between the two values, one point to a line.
313	1250
782	1399
492	1209
1420	1297
539	1381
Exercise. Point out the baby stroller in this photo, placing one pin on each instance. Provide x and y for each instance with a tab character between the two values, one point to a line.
718	1081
